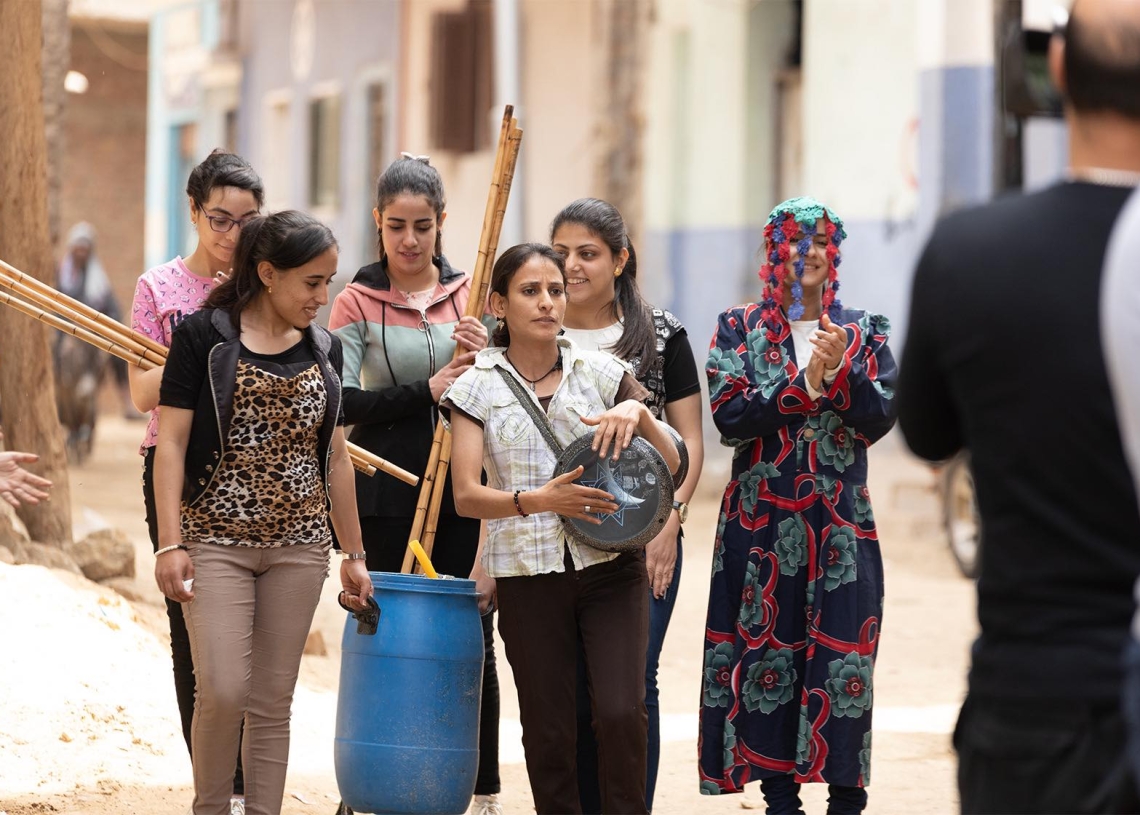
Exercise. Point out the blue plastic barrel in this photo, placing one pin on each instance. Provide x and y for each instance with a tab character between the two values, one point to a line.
407	718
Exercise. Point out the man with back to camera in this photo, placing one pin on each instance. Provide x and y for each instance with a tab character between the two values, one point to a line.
1120	333
1004	359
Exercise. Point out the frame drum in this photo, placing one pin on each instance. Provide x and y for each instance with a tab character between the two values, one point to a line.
641	484
682	451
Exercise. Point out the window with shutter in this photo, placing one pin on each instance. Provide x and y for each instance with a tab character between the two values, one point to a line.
462	78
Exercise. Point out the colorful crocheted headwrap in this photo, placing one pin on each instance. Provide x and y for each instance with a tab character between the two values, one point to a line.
785	221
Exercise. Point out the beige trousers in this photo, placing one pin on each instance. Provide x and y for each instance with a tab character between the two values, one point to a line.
248	622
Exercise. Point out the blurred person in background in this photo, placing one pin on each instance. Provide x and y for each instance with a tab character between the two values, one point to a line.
400	321
801	387
79	367
605	312
1004	359
223	193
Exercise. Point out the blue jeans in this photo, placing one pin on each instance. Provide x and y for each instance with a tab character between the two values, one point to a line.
1131	703
660	612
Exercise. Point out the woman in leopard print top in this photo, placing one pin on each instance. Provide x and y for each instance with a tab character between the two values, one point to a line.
251	465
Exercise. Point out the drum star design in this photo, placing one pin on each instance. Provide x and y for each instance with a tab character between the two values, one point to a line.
610	481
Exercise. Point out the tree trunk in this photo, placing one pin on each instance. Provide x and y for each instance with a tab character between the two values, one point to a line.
621	121
26	388
55	60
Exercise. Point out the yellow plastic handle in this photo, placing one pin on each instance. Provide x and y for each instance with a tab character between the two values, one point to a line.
421	556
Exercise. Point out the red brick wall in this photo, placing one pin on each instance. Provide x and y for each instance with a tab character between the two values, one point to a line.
104	163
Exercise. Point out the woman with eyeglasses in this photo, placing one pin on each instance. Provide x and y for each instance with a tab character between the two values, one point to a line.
224	192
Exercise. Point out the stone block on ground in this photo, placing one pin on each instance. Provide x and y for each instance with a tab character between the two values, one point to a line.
53	557
103	554
12	529
315	644
127	587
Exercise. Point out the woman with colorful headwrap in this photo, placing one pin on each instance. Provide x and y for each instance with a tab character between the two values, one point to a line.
801	387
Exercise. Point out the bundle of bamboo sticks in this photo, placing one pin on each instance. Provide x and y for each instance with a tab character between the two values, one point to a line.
41	301
426	519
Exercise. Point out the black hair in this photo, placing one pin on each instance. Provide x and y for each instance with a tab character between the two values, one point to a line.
223	169
638	337
417	177
1102	63
504	272
285	239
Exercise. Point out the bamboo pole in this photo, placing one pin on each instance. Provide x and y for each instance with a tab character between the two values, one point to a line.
428	539
432	522
110	339
435	476
76	331
79	319
54	295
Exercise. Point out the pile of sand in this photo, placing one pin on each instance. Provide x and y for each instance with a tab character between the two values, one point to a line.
86	688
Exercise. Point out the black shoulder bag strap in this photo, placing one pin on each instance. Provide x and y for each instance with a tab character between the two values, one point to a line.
541	421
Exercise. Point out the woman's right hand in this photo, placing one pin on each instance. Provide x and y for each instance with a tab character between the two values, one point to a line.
562	496
449	373
170	570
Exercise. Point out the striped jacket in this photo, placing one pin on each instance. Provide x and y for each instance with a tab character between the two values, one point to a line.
390	352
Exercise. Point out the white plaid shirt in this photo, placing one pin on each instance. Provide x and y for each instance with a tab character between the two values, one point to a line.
516	457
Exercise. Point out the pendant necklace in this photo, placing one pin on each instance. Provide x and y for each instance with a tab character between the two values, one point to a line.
534	382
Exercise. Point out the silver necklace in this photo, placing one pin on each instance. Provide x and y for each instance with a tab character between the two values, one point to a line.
1104	176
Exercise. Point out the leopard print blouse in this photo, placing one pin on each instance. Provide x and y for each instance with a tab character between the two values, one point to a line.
268	489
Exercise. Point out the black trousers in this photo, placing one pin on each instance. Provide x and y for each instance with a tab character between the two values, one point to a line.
179	639
1042	756
541	619
456	540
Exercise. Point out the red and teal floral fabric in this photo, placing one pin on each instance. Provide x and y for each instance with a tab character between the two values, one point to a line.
797	582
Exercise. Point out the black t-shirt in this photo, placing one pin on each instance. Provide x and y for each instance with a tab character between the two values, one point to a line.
1003	358
185	372
682	377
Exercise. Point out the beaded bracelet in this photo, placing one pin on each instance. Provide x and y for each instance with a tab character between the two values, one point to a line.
166	549
518	506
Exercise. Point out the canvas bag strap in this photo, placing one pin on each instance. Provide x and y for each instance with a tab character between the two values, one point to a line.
540	419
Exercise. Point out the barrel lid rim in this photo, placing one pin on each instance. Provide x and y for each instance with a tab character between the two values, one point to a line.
419	582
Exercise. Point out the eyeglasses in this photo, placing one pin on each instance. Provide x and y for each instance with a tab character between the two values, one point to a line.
222	223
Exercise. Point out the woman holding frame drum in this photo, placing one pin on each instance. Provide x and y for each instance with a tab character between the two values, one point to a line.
552	590
605	312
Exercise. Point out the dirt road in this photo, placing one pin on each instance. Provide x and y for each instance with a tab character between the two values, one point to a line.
88	722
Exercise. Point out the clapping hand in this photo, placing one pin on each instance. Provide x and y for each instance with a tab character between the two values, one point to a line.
829	343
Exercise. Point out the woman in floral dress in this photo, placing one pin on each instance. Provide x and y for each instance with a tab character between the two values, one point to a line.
800	387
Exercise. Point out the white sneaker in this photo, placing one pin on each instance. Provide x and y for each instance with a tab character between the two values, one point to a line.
486	805
237	806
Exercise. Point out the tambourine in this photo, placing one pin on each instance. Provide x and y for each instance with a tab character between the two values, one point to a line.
642	487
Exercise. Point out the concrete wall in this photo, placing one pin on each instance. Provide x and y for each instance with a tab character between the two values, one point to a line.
291	55
103	173
861	130
560	60
286	53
